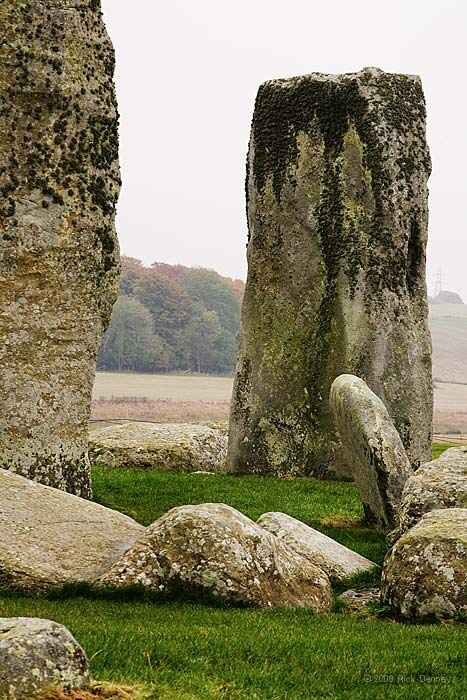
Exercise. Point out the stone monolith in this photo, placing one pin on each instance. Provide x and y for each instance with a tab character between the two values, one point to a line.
337	213
59	184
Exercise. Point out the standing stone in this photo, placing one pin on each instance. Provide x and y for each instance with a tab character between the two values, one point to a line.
59	184
337	212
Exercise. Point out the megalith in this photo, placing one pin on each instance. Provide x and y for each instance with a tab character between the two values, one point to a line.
59	258
337	213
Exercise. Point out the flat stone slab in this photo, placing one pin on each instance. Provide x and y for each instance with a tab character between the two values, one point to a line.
181	447
36	656
50	538
441	483
337	561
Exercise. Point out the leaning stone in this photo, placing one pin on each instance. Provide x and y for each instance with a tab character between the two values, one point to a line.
37	656
50	538
425	573
59	184
213	550
372	447
169	446
337	211
337	561
441	483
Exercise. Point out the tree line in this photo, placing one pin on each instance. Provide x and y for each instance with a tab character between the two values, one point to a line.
173	318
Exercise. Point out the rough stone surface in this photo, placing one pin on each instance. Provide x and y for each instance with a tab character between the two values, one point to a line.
372	448
337	561
171	446
337	212
50	538
38	655
213	550
59	183
357	602
441	483
425	573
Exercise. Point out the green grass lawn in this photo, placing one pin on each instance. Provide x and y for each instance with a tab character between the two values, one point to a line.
182	650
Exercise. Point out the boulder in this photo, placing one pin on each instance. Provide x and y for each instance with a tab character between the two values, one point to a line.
425	573
357	602
36	656
372	446
59	256
213	550
337	216
441	483
336	560
170	446
50	538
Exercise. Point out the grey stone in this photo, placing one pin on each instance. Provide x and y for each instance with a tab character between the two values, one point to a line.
337	211
50	538
59	183
441	483
337	561
356	602
170	446
36	656
372	447
425	573
213	550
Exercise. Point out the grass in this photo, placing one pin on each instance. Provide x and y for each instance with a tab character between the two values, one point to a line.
189	651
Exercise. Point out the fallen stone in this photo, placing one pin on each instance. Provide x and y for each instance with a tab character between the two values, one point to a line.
50	538
59	256
425	573
36	656
372	447
170	446
337	215
337	561
213	550
441	483
356	602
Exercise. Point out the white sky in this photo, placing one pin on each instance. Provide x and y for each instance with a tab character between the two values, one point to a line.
187	75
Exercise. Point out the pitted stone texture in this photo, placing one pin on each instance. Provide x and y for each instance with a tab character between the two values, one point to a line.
36	656
337	210
59	183
215	551
441	483
50	538
425	573
337	561
372	448
169	446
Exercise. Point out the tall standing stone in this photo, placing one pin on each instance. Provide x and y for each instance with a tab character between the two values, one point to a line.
337	212
59	184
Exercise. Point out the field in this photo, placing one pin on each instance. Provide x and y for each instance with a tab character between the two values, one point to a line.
182	398
183	650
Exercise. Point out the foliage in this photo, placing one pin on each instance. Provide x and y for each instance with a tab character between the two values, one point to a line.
170	318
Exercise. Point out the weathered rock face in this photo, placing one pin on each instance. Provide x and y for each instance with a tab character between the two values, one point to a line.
337	561
36	656
425	573
337	211
50	538
372	448
170	446
214	550
441	483
59	183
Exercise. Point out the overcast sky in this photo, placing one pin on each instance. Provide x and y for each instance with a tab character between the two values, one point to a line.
187	76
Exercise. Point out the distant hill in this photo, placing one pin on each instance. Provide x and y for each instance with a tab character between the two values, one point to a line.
448	324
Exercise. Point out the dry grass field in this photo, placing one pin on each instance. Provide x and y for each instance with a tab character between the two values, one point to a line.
184	398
